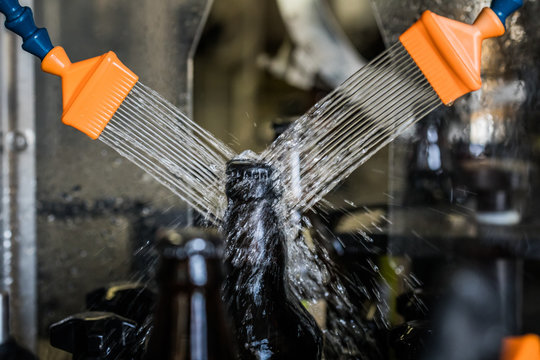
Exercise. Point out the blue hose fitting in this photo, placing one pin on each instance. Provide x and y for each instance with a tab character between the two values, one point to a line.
20	20
504	8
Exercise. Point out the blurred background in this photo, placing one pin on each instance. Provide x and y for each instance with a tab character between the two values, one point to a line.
459	188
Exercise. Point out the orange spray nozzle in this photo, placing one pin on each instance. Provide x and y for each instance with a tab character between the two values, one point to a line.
92	90
525	347
449	52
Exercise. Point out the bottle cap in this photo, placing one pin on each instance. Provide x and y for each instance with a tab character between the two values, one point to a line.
250	179
247	169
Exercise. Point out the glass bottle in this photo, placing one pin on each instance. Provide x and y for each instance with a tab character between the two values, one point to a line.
270	323
190	321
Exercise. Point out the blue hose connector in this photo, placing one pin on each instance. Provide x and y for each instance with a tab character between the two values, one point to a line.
20	20
504	8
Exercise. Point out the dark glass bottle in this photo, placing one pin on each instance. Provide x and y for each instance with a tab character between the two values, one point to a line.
429	170
270	323
190	321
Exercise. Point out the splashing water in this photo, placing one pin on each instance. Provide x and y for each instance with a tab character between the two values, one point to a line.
315	277
323	148
317	152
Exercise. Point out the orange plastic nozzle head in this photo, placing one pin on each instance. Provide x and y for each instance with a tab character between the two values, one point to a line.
521	348
449	52
92	90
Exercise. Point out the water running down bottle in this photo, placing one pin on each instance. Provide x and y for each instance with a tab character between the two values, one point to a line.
270	322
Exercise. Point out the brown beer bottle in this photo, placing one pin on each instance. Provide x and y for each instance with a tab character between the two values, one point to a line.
270	323
190	321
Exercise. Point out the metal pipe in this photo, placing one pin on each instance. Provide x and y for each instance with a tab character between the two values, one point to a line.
4	317
509	274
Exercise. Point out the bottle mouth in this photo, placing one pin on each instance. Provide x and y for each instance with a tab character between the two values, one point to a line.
247	169
248	178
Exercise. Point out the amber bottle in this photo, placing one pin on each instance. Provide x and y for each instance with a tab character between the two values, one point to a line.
190	321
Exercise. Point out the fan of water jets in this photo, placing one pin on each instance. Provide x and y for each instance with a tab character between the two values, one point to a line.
153	134
320	150
346	128
336	136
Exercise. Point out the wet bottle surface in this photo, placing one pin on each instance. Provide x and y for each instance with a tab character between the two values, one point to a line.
190	321
270	323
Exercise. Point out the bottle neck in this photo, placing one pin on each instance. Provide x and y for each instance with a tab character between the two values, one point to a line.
185	276
256	253
189	316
